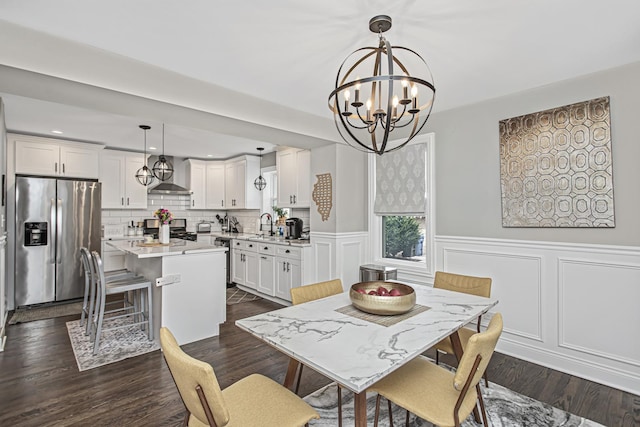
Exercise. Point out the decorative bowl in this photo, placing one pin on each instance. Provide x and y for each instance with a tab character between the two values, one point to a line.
385	305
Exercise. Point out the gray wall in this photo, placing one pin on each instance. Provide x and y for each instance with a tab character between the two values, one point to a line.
468	199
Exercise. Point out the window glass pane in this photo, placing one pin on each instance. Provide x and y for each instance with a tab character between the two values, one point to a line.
403	237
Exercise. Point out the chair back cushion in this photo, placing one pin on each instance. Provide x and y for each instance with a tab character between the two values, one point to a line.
483	344
480	286
188	373
316	291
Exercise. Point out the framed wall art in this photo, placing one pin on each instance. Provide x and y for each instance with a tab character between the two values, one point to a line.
556	168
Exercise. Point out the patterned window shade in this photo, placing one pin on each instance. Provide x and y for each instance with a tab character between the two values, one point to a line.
401	181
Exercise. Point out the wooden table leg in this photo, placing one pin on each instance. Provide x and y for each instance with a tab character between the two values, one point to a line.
291	373
457	349
360	409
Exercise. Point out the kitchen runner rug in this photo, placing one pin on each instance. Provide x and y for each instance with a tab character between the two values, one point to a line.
115	345
23	315
505	408
236	296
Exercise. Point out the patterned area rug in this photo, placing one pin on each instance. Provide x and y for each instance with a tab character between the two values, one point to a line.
115	345
23	315
505	408
236	296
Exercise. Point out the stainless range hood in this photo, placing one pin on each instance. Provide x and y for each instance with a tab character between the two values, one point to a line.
168	186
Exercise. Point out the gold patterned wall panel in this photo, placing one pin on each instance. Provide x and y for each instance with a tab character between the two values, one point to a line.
556	168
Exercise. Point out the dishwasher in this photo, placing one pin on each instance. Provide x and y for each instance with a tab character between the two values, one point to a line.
225	242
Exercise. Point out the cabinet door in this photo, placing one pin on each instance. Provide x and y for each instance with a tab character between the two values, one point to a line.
78	162
237	267
286	166
303	179
197	183
229	184
135	193
112	171
267	264
240	185
215	187
252	270
37	158
294	268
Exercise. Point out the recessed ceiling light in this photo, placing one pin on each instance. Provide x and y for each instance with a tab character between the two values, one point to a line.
209	155
152	148
57	132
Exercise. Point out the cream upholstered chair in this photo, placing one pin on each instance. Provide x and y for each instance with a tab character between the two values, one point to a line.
436	394
313	292
254	401
480	286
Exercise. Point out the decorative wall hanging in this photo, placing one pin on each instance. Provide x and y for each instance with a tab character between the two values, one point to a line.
323	195
556	167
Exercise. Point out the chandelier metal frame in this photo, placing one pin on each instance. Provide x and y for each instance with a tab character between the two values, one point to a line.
385	111
162	168
144	174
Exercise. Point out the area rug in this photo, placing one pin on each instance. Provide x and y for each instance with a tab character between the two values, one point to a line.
236	296
505	408
23	315
115	345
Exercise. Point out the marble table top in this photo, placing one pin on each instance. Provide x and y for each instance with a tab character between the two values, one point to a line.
357	353
175	247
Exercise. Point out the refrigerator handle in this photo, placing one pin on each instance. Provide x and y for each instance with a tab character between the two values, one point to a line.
58	231
52	249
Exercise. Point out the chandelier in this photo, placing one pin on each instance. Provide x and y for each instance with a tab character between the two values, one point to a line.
144	174
260	183
162	168
385	109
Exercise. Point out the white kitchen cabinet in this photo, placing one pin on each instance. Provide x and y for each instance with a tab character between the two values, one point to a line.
294	180
197	183
244	263
267	264
53	157
112	258
288	263
120	188
240	193
215	186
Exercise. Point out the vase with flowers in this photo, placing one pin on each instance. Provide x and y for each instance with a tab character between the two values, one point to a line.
165	217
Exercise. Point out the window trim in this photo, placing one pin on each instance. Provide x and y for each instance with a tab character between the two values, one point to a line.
407	269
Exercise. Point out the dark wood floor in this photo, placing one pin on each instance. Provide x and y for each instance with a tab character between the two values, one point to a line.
40	384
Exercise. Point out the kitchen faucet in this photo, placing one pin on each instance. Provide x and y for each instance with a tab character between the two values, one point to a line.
270	218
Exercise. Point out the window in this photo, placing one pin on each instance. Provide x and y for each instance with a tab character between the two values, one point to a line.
401	209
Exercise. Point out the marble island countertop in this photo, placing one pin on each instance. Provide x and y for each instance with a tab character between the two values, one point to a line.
176	247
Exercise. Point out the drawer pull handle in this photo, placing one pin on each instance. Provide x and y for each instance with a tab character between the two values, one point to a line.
287	251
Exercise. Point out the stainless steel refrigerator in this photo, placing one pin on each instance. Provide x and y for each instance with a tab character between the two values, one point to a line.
54	219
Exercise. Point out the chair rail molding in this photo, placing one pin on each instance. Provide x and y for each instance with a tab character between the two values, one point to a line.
567	306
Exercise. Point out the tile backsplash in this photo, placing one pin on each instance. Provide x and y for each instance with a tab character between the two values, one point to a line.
179	207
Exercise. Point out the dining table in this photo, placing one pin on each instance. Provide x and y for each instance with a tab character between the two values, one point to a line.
356	349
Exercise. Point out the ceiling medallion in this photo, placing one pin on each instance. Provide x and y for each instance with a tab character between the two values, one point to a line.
385	109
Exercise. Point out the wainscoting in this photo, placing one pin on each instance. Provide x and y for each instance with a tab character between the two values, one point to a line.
569	307
339	255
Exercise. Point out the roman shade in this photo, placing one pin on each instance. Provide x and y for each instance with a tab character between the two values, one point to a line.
401	181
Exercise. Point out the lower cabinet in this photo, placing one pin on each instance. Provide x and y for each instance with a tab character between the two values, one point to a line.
244	263
112	258
278	267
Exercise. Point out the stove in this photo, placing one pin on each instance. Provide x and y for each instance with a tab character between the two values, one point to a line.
177	229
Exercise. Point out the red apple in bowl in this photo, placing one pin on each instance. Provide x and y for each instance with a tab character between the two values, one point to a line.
395	292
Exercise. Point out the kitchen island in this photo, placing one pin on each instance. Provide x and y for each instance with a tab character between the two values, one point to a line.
189	296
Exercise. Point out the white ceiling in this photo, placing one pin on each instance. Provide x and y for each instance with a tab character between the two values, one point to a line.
227	77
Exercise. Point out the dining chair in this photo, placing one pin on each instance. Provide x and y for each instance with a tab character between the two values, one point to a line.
254	401
314	292
480	286
436	394
141	312
90	289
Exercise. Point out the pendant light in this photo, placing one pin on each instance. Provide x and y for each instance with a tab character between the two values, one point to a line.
144	174
162	169
260	183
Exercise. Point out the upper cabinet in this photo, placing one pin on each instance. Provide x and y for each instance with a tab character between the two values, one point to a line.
294	181
197	183
239	174
215	188
53	157
120	188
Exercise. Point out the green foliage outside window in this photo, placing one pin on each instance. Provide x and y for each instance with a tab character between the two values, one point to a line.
401	234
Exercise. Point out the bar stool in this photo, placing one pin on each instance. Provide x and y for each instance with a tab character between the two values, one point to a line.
141	315
90	288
